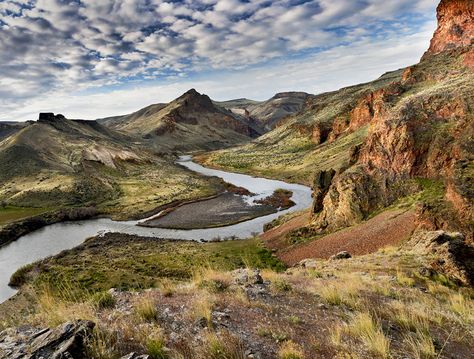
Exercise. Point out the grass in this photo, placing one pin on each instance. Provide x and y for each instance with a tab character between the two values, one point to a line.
202	308
364	327
224	346
103	300
146	310
421	346
126	262
11	214
290	350
156	348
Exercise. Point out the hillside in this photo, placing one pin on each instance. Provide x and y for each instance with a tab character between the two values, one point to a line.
57	162
268	114
403	141
190	122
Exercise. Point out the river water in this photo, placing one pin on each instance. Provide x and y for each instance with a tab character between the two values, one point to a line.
52	239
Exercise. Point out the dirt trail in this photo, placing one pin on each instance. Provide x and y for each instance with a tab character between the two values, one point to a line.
385	229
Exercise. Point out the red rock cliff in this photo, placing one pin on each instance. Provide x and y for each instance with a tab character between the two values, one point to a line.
455	26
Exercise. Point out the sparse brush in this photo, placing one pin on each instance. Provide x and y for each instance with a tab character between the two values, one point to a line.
212	280
421	345
103	300
145	309
102	345
369	331
225	346
404	280
290	350
202	307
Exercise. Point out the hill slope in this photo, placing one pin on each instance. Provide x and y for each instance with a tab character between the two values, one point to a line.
268	114
190	122
407	137
58	162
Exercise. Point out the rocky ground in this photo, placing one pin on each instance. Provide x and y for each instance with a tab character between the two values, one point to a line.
388	304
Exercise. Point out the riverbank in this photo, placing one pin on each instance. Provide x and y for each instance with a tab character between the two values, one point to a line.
12	231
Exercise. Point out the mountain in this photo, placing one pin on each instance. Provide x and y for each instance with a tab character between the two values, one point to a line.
405	139
268	114
190	122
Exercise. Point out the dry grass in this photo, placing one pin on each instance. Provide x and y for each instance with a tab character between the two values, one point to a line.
224	346
212	280
421	345
369	331
53	310
202	307
404	280
347	290
145	309
463	307
290	350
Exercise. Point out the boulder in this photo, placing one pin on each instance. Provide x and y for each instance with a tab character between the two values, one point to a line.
341	255
308	263
65	341
454	256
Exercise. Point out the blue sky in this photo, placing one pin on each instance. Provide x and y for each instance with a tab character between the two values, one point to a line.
89	59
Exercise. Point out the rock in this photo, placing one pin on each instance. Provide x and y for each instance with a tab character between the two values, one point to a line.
247	277
455	26
308	263
321	183
64	341
455	257
135	356
341	255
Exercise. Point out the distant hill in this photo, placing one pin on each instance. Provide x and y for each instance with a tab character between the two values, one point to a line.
190	122
268	114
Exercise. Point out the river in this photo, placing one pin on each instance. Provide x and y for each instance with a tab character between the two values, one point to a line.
54	238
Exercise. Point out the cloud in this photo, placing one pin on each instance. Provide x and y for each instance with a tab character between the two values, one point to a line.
65	46
327	70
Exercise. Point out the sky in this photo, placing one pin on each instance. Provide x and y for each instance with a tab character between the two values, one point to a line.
91	59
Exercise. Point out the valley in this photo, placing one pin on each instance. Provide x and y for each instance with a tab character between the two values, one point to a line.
330	225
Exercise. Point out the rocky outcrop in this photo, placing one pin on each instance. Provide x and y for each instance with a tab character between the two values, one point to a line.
455	26
322	182
454	257
66	341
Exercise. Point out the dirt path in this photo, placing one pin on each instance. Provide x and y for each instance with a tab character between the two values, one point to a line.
385	229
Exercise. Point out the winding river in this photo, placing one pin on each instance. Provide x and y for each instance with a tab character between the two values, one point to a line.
53	239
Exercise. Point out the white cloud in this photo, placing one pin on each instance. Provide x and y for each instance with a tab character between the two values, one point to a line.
54	48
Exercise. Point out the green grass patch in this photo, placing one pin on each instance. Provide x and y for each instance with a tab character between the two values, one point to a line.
11	214
127	262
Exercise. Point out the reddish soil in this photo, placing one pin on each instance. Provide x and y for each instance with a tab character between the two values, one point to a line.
385	229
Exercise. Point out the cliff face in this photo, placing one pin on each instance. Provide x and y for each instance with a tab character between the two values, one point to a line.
421	128
455	26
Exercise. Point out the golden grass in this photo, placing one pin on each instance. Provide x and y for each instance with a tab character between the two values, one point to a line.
421	345
202	307
53	310
463	307
145	309
347	290
212	280
290	350
369	331
404	280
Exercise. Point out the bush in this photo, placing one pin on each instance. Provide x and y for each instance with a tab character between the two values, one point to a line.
102	300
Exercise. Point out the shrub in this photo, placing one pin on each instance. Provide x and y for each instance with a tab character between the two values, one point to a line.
103	300
290	350
146	309
156	348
